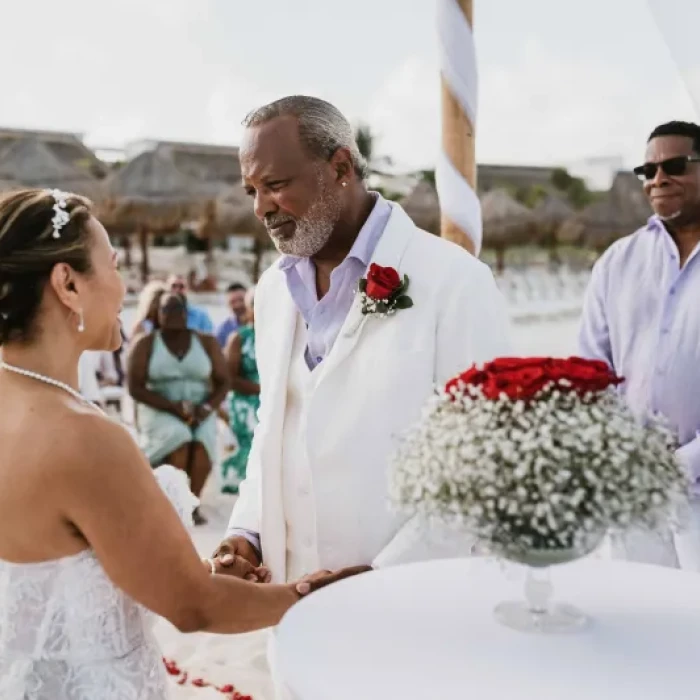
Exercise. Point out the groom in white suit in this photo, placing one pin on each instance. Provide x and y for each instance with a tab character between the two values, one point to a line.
339	387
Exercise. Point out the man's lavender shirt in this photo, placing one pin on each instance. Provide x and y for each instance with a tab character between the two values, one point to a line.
324	318
641	315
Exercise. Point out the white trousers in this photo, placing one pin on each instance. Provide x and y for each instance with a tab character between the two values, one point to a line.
677	550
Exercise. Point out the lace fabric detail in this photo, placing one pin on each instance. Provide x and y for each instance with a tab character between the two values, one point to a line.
68	633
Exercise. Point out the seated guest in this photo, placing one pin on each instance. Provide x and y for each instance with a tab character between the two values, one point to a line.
179	378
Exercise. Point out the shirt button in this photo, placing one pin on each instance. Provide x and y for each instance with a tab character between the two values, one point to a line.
660	370
319	359
672	291
664	331
308	541
304	490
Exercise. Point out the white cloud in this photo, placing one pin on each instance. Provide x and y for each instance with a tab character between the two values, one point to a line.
546	110
406	113
231	99
538	109
116	132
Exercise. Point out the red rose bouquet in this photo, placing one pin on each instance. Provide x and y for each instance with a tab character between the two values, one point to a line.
537	453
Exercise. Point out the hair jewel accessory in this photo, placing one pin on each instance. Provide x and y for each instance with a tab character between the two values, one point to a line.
61	217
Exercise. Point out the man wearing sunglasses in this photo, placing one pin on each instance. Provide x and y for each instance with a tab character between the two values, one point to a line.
641	315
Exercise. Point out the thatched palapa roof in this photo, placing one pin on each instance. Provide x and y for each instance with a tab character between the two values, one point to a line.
8	186
506	221
30	163
231	214
620	212
200	161
423	206
66	146
151	192
552	212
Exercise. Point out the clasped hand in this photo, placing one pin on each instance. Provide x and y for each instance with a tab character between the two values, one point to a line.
237	557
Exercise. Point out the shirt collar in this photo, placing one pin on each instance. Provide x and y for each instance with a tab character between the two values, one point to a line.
366	241
656	226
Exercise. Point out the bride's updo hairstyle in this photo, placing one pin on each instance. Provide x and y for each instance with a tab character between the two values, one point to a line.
29	249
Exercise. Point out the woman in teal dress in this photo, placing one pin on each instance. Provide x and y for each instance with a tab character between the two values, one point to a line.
244	399
178	378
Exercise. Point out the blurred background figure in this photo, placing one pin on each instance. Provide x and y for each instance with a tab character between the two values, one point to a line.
198	319
235	300
178	378
147	308
244	399
88	383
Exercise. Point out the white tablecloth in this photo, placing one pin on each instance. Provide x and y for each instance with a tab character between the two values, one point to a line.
427	632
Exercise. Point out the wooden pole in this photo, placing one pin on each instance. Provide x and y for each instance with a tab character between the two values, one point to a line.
459	142
143	243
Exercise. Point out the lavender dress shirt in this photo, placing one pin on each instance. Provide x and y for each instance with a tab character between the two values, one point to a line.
641	315
325	317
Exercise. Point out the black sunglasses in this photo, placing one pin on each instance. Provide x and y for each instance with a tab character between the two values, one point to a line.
671	166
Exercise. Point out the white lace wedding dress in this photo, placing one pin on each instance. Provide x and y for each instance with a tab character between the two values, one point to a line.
68	633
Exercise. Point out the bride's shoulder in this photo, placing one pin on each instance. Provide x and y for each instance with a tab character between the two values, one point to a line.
89	437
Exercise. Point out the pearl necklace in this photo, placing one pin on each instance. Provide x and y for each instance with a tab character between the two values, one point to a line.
50	381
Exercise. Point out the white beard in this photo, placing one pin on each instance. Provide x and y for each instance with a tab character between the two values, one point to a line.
314	229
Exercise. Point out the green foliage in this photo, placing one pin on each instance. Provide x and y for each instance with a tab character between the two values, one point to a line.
428	176
530	196
561	179
388	194
573	187
365	141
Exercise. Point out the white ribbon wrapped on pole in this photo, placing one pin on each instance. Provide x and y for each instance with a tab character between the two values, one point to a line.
458	201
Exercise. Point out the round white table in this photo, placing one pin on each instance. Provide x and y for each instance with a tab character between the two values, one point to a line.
428	632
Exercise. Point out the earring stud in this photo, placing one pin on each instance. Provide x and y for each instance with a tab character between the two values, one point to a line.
81	322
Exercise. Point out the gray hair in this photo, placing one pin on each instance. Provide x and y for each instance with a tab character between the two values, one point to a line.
322	127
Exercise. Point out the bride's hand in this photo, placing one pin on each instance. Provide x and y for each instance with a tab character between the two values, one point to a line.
312	582
238	568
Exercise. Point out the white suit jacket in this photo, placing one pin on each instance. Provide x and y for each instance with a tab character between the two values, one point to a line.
373	386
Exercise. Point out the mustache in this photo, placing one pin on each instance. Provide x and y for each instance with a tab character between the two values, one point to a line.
277	220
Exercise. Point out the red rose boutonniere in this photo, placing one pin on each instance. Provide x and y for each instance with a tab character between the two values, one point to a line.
383	291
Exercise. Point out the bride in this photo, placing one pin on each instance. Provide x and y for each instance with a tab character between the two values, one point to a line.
89	543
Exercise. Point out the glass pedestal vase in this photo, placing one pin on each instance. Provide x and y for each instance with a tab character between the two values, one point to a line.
538	612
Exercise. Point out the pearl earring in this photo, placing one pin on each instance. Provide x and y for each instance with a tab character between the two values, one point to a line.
81	322
345	184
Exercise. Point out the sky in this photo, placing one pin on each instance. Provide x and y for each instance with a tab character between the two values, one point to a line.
560	81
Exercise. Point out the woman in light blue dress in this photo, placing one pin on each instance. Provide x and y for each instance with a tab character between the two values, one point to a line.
178	378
